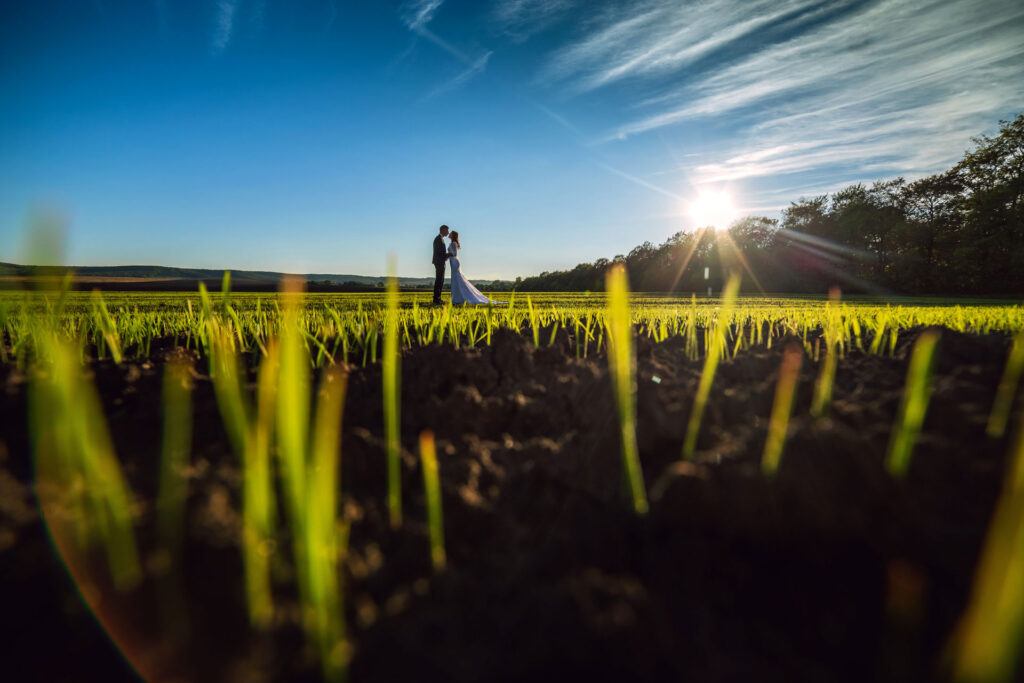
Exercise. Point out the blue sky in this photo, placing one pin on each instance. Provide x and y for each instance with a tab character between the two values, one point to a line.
317	136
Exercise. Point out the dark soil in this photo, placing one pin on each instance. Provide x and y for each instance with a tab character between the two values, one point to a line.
830	571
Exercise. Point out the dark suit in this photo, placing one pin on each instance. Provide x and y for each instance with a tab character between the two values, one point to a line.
440	254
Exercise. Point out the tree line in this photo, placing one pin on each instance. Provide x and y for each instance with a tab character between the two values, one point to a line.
956	232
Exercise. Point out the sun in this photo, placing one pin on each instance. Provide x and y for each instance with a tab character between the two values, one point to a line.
713	209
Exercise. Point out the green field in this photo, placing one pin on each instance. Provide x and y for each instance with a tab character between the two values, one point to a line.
348	325
253	360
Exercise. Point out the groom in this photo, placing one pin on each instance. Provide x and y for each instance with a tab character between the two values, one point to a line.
440	254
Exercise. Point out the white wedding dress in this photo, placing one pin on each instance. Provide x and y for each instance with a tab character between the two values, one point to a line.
463	291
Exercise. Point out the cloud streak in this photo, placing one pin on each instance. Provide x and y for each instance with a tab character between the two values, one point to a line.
472	70
889	87
521	19
649	39
224	25
416	15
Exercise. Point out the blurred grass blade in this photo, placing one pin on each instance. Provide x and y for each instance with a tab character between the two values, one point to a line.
390	374
432	491
173	495
988	642
225	288
533	323
258	499
324	609
785	388
293	400
177	444
227	385
822	398
916	394
82	490
622	365
105	323
1003	404
716	347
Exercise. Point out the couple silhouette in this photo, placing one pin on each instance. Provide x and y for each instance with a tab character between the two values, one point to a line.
463	291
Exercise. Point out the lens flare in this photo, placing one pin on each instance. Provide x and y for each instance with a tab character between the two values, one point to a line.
713	209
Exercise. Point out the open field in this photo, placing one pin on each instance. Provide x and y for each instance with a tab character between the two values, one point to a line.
240	486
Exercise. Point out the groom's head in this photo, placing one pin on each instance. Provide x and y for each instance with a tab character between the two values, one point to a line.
444	231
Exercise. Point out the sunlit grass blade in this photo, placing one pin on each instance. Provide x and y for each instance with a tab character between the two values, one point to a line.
177	444
105	323
916	395
227	385
82	489
822	398
622	366
432	491
785	388
534	327
258	499
323	610
716	347
293	401
988	642
390	374
225	289
173	494
1003	404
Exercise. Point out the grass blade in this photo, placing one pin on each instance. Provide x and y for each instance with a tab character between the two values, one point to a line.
432	491
789	372
916	394
822	397
1003	403
622	365
324	599
987	644
177	443
258	502
716	347
77	471
390	374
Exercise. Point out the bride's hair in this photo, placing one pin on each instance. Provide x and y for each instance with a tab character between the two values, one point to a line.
455	238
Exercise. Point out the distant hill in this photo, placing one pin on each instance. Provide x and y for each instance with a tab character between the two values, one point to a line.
170	278
170	273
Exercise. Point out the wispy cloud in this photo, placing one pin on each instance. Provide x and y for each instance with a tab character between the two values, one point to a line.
885	50
521	19
224	24
472	70
889	87
651	38
416	15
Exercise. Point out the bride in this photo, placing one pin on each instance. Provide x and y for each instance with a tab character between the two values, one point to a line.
463	291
